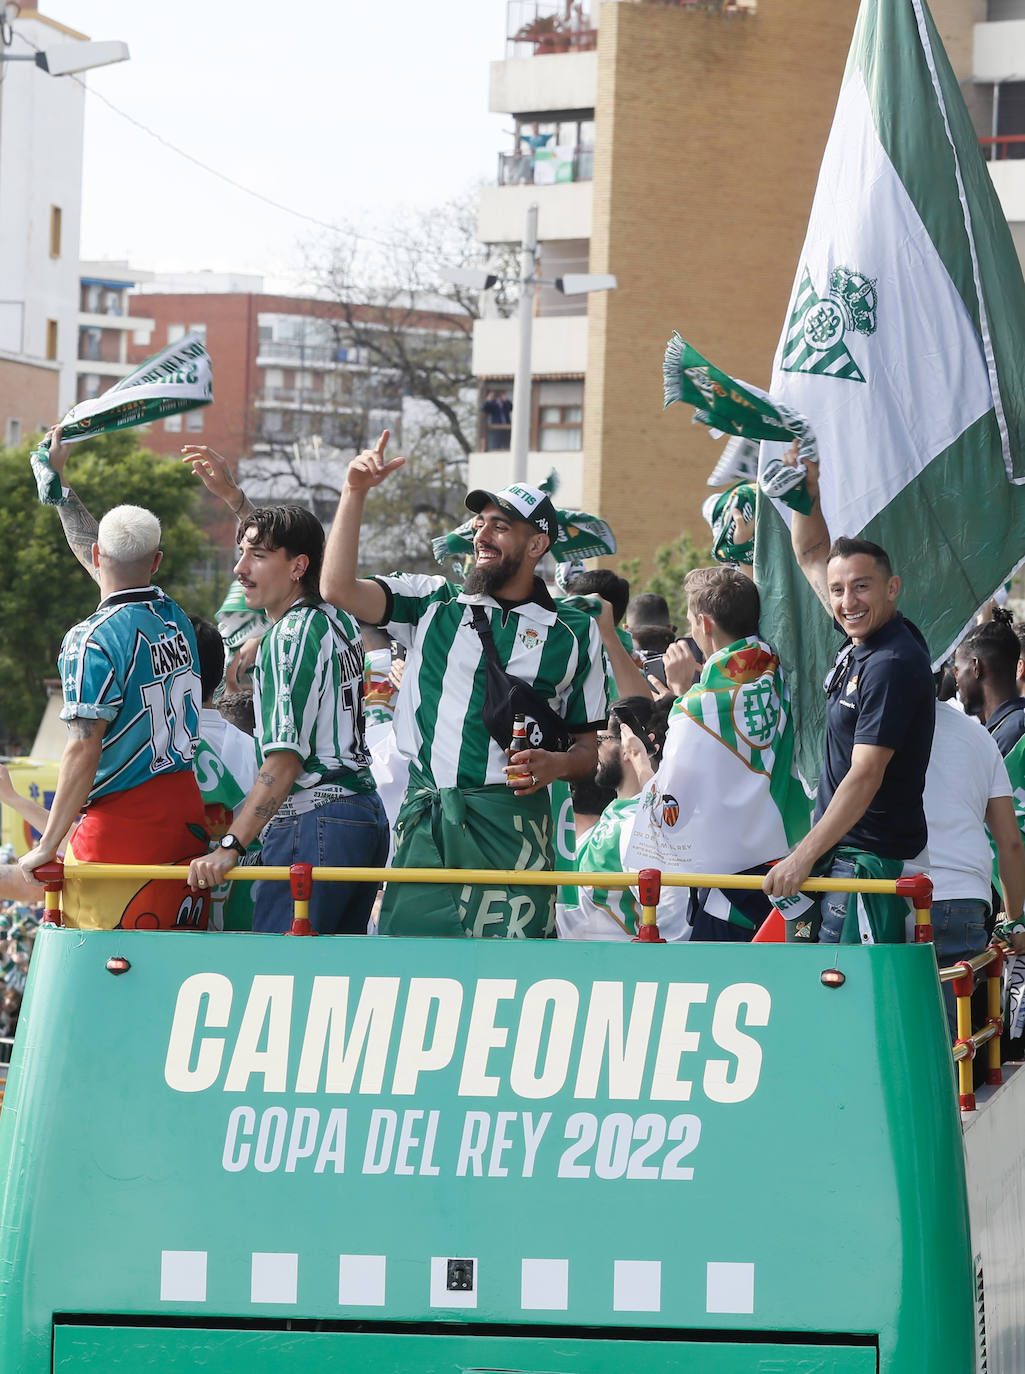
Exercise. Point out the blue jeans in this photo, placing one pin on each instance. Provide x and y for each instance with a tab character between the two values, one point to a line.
833	905
351	832
958	932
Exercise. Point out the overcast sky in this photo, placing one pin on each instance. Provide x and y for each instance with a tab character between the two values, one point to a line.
340	109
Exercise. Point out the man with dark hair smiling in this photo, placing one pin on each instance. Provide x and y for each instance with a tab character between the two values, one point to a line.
468	804
869	814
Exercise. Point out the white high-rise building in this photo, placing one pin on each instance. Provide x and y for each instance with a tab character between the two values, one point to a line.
41	122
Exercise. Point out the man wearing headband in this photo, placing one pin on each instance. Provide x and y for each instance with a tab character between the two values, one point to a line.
468	805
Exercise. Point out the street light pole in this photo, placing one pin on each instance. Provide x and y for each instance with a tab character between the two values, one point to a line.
519	440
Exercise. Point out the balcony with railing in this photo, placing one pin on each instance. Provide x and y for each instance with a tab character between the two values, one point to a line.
277	351
546	166
539	28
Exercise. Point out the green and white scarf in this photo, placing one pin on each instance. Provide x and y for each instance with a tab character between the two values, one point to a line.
176	379
724	800
728	406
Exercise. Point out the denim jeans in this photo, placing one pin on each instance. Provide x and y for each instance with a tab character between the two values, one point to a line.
350	832
833	905
958	932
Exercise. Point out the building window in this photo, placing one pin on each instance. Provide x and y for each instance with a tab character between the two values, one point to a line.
141	337
175	332
173	424
90	344
199	330
51	340
560	416
55	231
194	422
13	431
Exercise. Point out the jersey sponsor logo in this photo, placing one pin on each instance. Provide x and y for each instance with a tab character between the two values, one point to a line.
168	655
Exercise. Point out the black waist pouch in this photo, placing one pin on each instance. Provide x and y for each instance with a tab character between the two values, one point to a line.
507	696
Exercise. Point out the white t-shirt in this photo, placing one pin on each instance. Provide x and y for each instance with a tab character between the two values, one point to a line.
965	772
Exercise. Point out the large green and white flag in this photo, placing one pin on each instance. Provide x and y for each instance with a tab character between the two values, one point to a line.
904	346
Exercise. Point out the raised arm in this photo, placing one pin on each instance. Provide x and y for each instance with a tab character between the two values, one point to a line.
339	584
215	474
79	526
809	534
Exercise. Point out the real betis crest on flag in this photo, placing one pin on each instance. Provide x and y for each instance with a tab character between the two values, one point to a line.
903	345
176	379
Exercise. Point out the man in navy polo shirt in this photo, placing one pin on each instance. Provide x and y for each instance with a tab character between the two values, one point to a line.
869	815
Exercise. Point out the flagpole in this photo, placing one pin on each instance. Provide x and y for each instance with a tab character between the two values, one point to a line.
519	440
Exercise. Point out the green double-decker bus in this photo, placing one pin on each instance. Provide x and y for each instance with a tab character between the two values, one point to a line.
248	1153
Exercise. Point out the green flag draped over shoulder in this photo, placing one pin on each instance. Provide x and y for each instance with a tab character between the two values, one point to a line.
176	379
903	346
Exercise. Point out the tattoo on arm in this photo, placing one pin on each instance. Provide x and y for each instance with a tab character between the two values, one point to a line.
267	810
80	531
81	727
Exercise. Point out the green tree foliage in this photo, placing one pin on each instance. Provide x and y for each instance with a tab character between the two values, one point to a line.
672	564
43	589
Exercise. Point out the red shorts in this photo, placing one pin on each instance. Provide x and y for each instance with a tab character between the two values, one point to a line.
159	822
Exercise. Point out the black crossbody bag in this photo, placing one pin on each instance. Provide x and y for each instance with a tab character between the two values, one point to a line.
507	696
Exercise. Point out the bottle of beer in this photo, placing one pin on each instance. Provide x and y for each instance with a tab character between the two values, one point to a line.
518	743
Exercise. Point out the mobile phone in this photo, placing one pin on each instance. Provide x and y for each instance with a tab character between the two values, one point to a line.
692	645
655	666
397	650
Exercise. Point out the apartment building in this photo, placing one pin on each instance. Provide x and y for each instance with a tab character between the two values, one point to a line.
676	145
108	333
40	197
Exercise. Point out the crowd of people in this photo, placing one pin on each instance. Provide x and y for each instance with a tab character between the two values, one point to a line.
675	748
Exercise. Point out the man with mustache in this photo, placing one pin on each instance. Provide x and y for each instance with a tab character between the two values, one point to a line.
469	805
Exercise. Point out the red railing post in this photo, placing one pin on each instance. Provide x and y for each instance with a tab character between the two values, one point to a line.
51	875
300	879
918	889
963	987
649	887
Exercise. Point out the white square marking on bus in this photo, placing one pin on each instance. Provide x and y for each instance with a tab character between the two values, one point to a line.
730	1288
544	1284
637	1286
275	1277
441	1294
183	1275
361	1280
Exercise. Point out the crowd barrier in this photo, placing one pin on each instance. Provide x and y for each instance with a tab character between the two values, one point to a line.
649	883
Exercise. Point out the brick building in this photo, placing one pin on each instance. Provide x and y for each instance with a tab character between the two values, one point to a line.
286	368
677	146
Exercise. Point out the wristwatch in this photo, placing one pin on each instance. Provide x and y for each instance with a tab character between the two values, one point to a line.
231	841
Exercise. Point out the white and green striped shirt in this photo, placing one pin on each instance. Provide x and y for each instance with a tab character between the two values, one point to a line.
603	913
308	689
438	718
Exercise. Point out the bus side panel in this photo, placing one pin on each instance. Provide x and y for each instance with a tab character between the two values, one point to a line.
676	1139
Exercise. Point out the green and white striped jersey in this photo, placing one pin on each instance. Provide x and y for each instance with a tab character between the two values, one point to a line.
603	913
438	717
308	688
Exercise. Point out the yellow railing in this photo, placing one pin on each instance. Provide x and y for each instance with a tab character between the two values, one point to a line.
649	883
